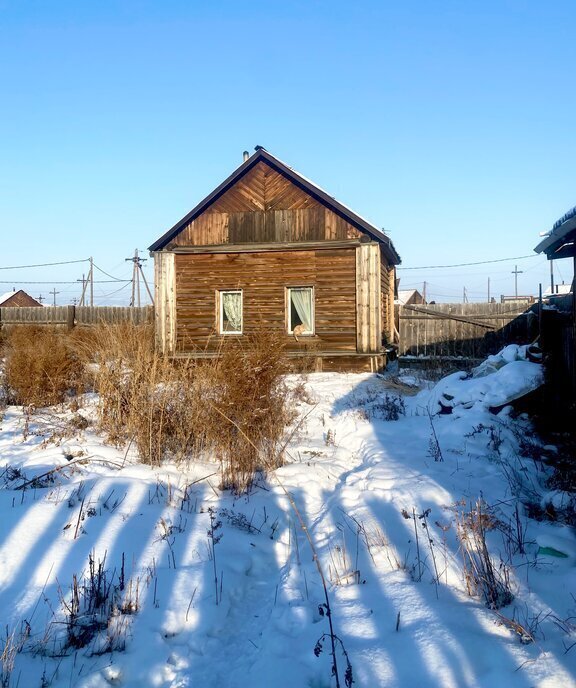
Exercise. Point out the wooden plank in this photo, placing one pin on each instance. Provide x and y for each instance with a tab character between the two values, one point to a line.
262	247
446	316
264	190
72	316
165	301
460	329
367	298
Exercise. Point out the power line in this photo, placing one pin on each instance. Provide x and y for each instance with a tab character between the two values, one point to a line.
462	265
74	282
105	296
44	265
117	279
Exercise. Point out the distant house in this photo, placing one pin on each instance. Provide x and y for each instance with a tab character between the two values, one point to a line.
269	248
17	298
559	289
409	297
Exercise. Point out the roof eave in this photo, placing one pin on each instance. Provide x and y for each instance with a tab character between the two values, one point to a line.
557	239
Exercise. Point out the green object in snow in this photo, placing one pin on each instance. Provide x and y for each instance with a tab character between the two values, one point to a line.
551	552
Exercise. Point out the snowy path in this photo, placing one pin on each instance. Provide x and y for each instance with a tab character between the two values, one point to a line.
357	480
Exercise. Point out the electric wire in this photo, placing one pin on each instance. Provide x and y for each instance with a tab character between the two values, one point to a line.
463	265
105	296
74	282
44	265
117	279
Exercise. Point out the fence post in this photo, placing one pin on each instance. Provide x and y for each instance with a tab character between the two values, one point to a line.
70	316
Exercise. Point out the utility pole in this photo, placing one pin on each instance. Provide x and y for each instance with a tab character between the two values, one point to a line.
54	292
40	299
91	276
137	272
74	301
84	285
488	290
516	272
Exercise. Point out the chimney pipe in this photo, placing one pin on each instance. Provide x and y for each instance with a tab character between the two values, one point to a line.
245	155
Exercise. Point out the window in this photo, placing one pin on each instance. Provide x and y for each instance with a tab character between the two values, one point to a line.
300	304
230	312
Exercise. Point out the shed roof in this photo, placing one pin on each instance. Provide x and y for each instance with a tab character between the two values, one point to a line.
262	155
561	240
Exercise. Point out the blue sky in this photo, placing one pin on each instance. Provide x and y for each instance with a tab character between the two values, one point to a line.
450	124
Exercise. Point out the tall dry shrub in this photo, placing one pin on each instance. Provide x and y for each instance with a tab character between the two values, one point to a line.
483	576
233	407
41	366
248	406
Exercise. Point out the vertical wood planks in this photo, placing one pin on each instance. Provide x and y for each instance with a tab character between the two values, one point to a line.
165	301
470	330
368	323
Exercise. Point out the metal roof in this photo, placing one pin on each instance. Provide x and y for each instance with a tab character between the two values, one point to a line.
262	155
560	241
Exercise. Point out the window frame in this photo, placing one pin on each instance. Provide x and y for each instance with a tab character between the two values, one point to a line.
289	328
220	300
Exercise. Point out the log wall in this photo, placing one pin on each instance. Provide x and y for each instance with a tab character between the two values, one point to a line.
263	278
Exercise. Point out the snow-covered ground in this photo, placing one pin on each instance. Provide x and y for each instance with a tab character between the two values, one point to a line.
191	586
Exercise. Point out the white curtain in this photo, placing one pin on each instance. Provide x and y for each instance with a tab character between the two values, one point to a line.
302	301
232	305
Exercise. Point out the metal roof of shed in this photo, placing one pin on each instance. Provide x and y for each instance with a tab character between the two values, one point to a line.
561	240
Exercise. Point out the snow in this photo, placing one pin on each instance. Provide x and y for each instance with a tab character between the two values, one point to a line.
4	297
404	295
496	382
356	479
559	290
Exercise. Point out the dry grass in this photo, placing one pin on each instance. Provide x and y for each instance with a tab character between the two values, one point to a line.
41	367
233	407
482	575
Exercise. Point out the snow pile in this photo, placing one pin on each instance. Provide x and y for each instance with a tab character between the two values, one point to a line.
497	381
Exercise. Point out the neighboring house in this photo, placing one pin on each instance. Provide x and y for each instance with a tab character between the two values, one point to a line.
560	242
17	298
269	248
559	289
409	297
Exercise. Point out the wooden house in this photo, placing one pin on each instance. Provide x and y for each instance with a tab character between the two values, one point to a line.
409	297
17	299
269	248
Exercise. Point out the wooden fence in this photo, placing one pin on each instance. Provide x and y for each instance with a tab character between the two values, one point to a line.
74	316
471	330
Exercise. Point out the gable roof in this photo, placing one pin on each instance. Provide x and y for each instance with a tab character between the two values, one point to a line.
262	155
404	296
21	296
560	242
